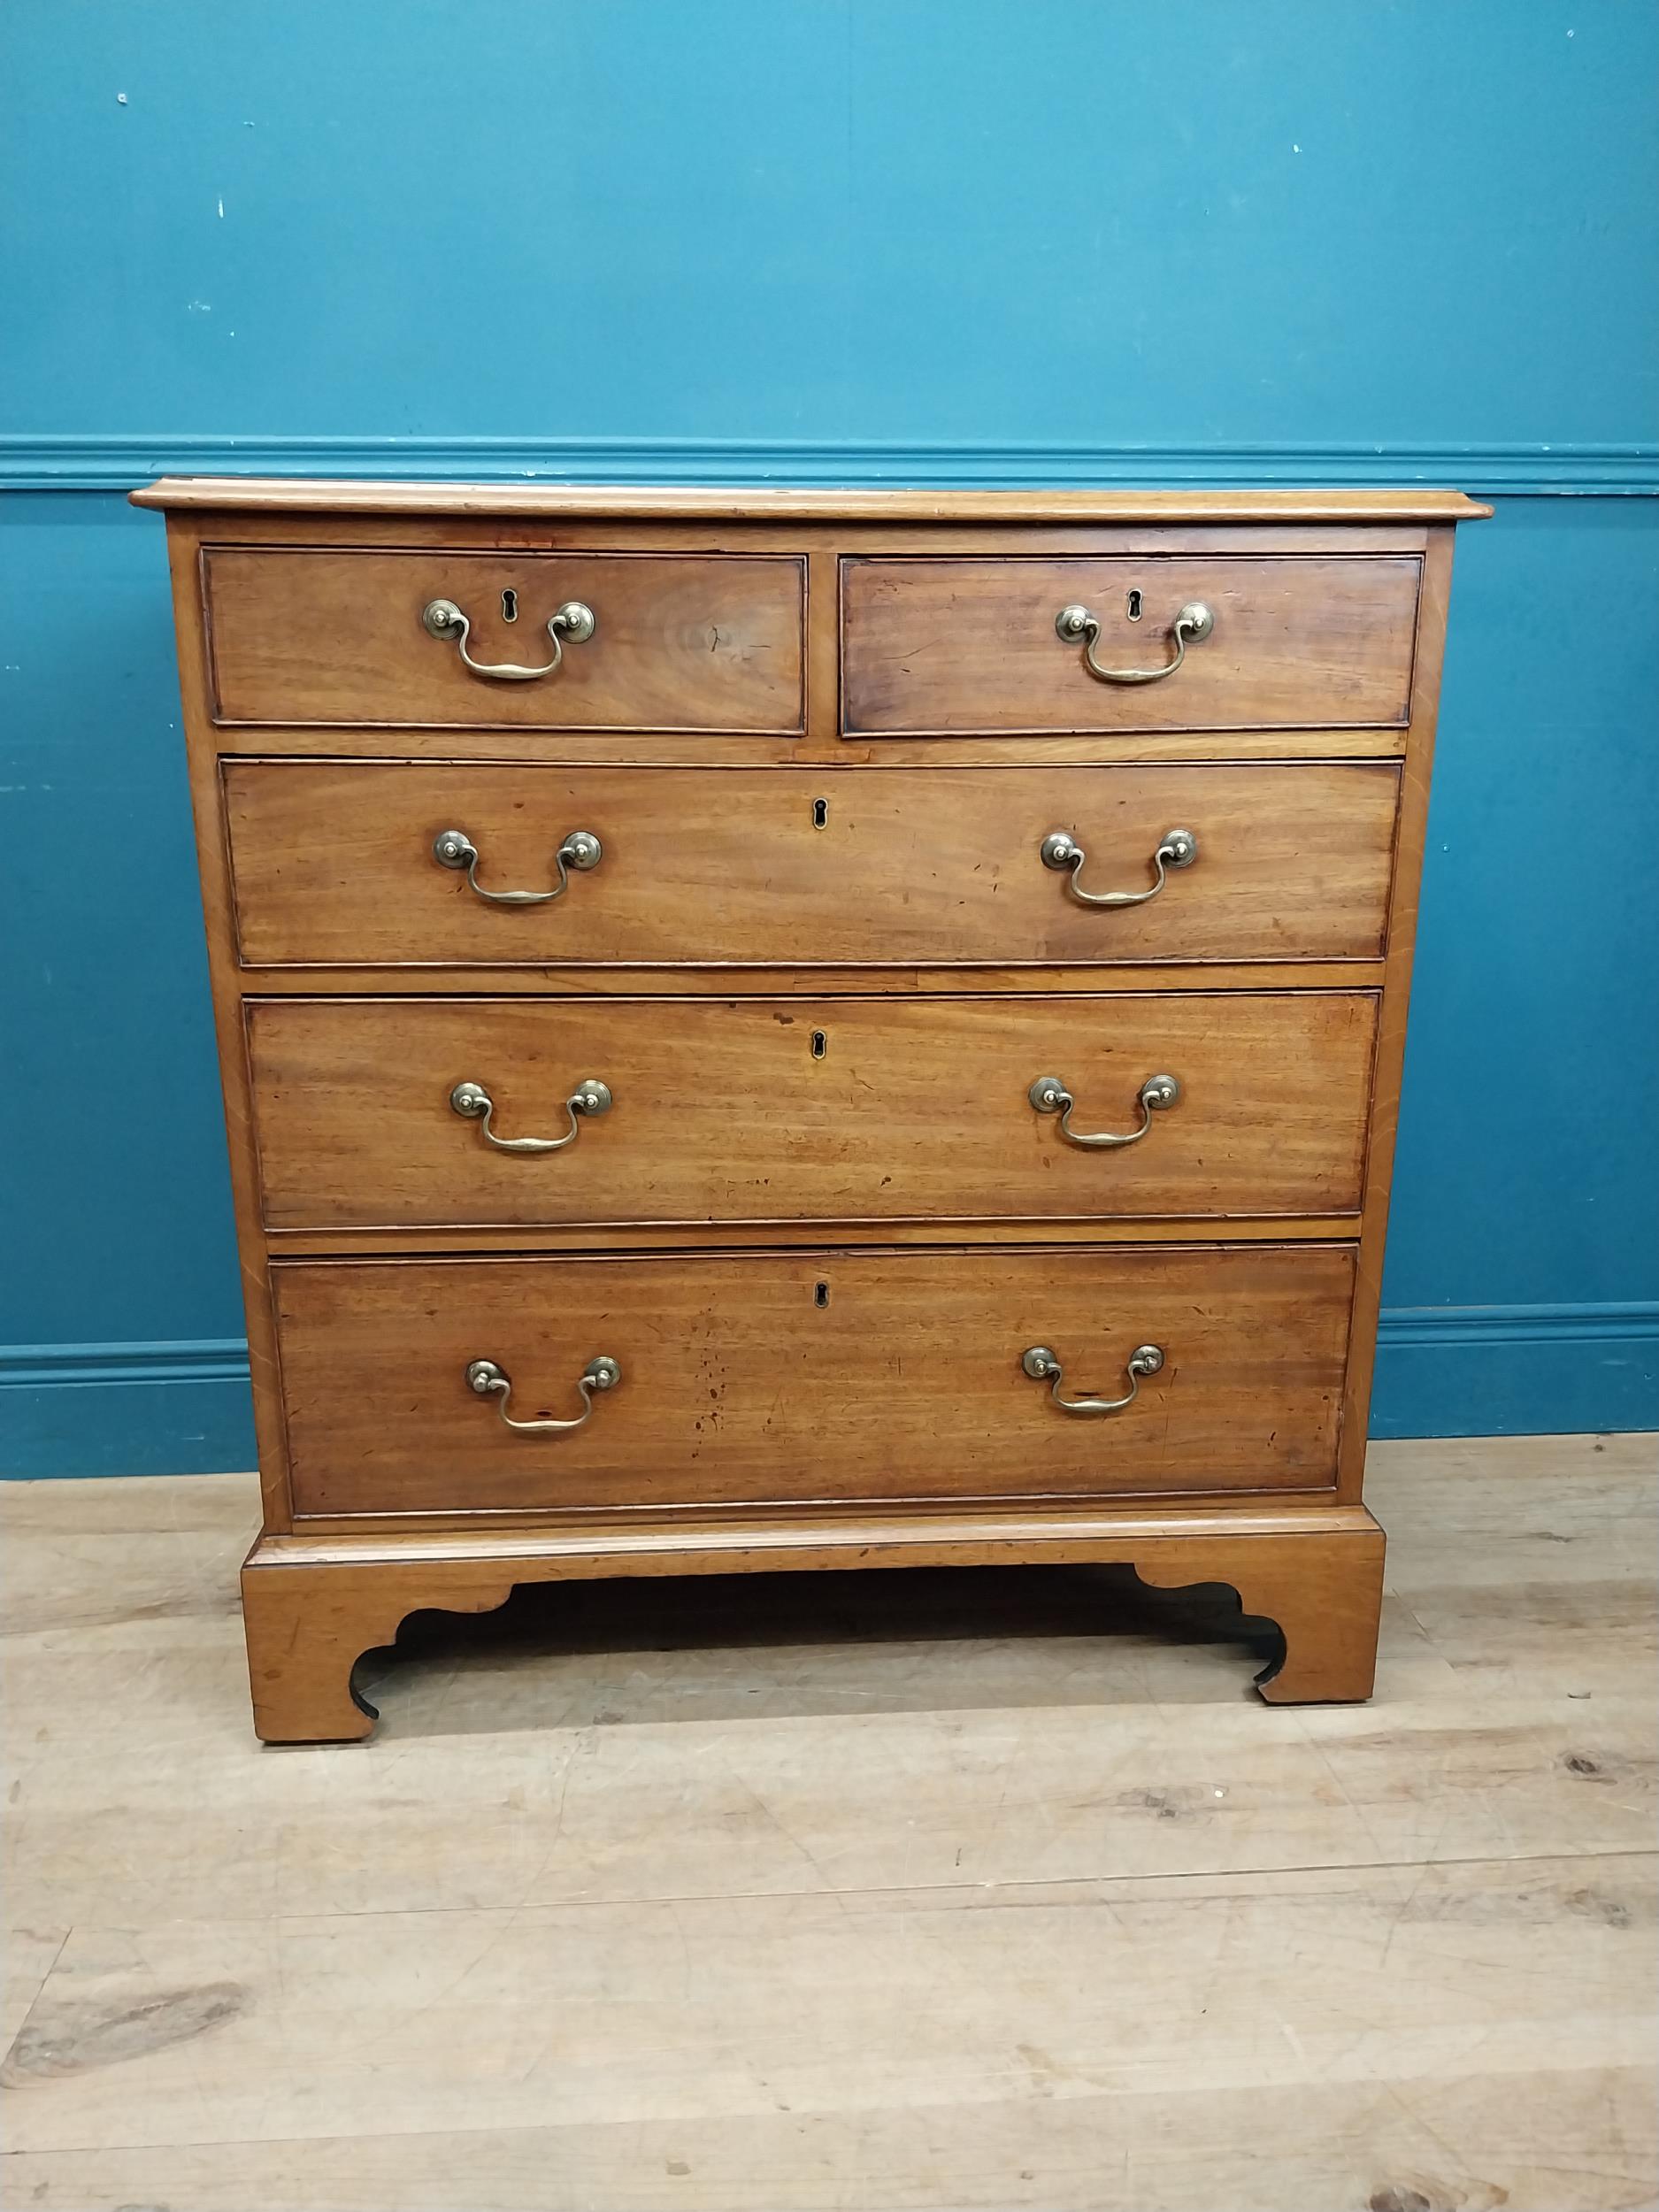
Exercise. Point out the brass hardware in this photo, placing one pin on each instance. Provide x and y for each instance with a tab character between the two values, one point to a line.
1177	849
581	850
1042	1365
1195	622
601	1374
444	620
473	1102
1050	1095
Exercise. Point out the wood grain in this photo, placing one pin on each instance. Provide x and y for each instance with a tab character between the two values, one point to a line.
406	529
742	1236
1410	838
218	917
905	1382
824	748
1563	2129
961	645
1031	1712
1095	1995
762	855
331	496
684	641
987	1817
333	865
555	980
807	1110
309	1618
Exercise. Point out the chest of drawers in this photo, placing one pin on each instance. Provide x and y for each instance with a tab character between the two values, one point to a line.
801	1029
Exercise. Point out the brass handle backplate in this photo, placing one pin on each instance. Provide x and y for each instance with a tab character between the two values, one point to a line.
581	850
444	620
1176	849
473	1102
1195	622
1050	1095
1042	1365
602	1372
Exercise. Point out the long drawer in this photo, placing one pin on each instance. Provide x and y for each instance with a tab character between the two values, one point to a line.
818	1375
933	647
639	642
360	863
416	1112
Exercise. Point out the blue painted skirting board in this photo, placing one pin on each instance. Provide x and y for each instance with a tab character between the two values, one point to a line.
1532	469
179	1409
1468	1371
1516	1370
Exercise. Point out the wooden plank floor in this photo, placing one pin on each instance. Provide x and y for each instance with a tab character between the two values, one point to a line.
889	1891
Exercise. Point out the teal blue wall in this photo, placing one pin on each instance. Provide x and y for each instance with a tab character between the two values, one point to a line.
843	241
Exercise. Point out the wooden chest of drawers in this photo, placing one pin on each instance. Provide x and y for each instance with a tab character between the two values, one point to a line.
794	1029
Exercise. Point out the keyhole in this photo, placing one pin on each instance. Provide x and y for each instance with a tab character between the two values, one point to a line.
820	1044
1135	606
820	1294
510	606
821	813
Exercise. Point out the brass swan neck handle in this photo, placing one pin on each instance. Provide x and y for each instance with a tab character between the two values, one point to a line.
487	1380
1050	1095
1042	1365
581	850
1194	622
473	1102
1060	850
441	618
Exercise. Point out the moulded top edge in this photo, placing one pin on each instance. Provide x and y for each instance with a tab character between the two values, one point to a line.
320	496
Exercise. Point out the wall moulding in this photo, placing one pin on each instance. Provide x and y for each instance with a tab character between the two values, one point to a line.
118	464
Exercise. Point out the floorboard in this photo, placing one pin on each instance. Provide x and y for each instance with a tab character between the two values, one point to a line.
994	1890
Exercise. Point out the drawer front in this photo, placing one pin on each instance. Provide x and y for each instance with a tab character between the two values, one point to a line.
680	641
334	864
806	1110
932	647
802	1376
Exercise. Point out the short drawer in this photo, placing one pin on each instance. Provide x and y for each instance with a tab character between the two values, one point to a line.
405	1113
677	641
340	864
798	1376
941	647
